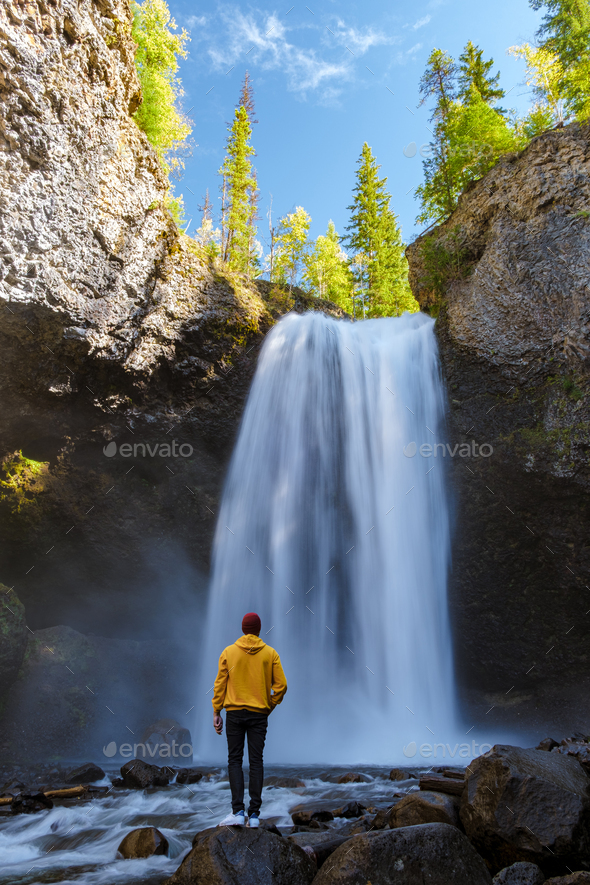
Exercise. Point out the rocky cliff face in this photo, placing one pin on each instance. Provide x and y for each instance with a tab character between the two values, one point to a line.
507	275
125	356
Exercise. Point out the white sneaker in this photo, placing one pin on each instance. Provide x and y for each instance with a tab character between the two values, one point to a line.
253	821
233	820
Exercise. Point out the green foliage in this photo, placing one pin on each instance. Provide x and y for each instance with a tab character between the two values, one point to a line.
23	478
175	206
572	389
291	246
474	78
470	134
565	34
444	261
544	73
240	191
156	60
327	273
378	261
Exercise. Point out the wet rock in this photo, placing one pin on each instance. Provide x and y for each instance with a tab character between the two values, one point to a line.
304	816
580	749
29	803
291	783
189	776
353	809
352	777
381	819
241	856
527	805
547	744
425	808
356	825
12	789
520	874
321	846
580	877
85	774
398	774
433	853
139	775
270	826
143	842
13	637
165	738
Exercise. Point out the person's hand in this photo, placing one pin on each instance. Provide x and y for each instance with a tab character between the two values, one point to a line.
218	723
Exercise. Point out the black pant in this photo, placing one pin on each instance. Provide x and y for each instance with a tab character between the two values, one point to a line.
238	724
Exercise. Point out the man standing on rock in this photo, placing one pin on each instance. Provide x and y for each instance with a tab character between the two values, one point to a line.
250	684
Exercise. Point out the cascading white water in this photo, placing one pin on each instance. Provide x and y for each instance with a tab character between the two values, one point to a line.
339	539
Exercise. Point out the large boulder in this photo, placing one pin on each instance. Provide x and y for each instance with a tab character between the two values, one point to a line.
241	856
521	873
528	805
85	774
425	808
143	842
139	775
189	776
434	853
13	637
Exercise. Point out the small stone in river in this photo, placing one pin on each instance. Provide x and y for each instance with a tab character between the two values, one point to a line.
352	777
143	842
398	774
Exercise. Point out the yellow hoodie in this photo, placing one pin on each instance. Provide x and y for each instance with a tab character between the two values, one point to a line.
248	671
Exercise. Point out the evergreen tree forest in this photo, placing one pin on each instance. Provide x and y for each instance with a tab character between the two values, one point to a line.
364	269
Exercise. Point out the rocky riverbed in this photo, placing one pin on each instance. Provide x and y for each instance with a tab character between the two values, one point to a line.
513	816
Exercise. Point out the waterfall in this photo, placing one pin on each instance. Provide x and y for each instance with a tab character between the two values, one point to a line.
334	527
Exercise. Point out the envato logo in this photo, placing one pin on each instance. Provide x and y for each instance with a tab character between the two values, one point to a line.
469	150
465	450
462	750
151	751
164	450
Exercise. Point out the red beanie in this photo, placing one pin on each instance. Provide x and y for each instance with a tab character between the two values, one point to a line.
251	623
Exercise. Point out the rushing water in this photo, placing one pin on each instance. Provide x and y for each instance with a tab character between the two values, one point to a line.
335	529
78	845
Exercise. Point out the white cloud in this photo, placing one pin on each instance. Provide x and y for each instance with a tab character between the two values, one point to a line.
361	40
268	45
421	22
196	21
413	49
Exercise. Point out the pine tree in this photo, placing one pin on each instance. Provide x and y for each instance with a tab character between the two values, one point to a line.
290	246
370	198
565	33
240	248
378	261
393	294
474	77
327	273
438	191
469	133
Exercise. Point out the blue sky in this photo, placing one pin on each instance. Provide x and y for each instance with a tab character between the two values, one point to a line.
328	77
